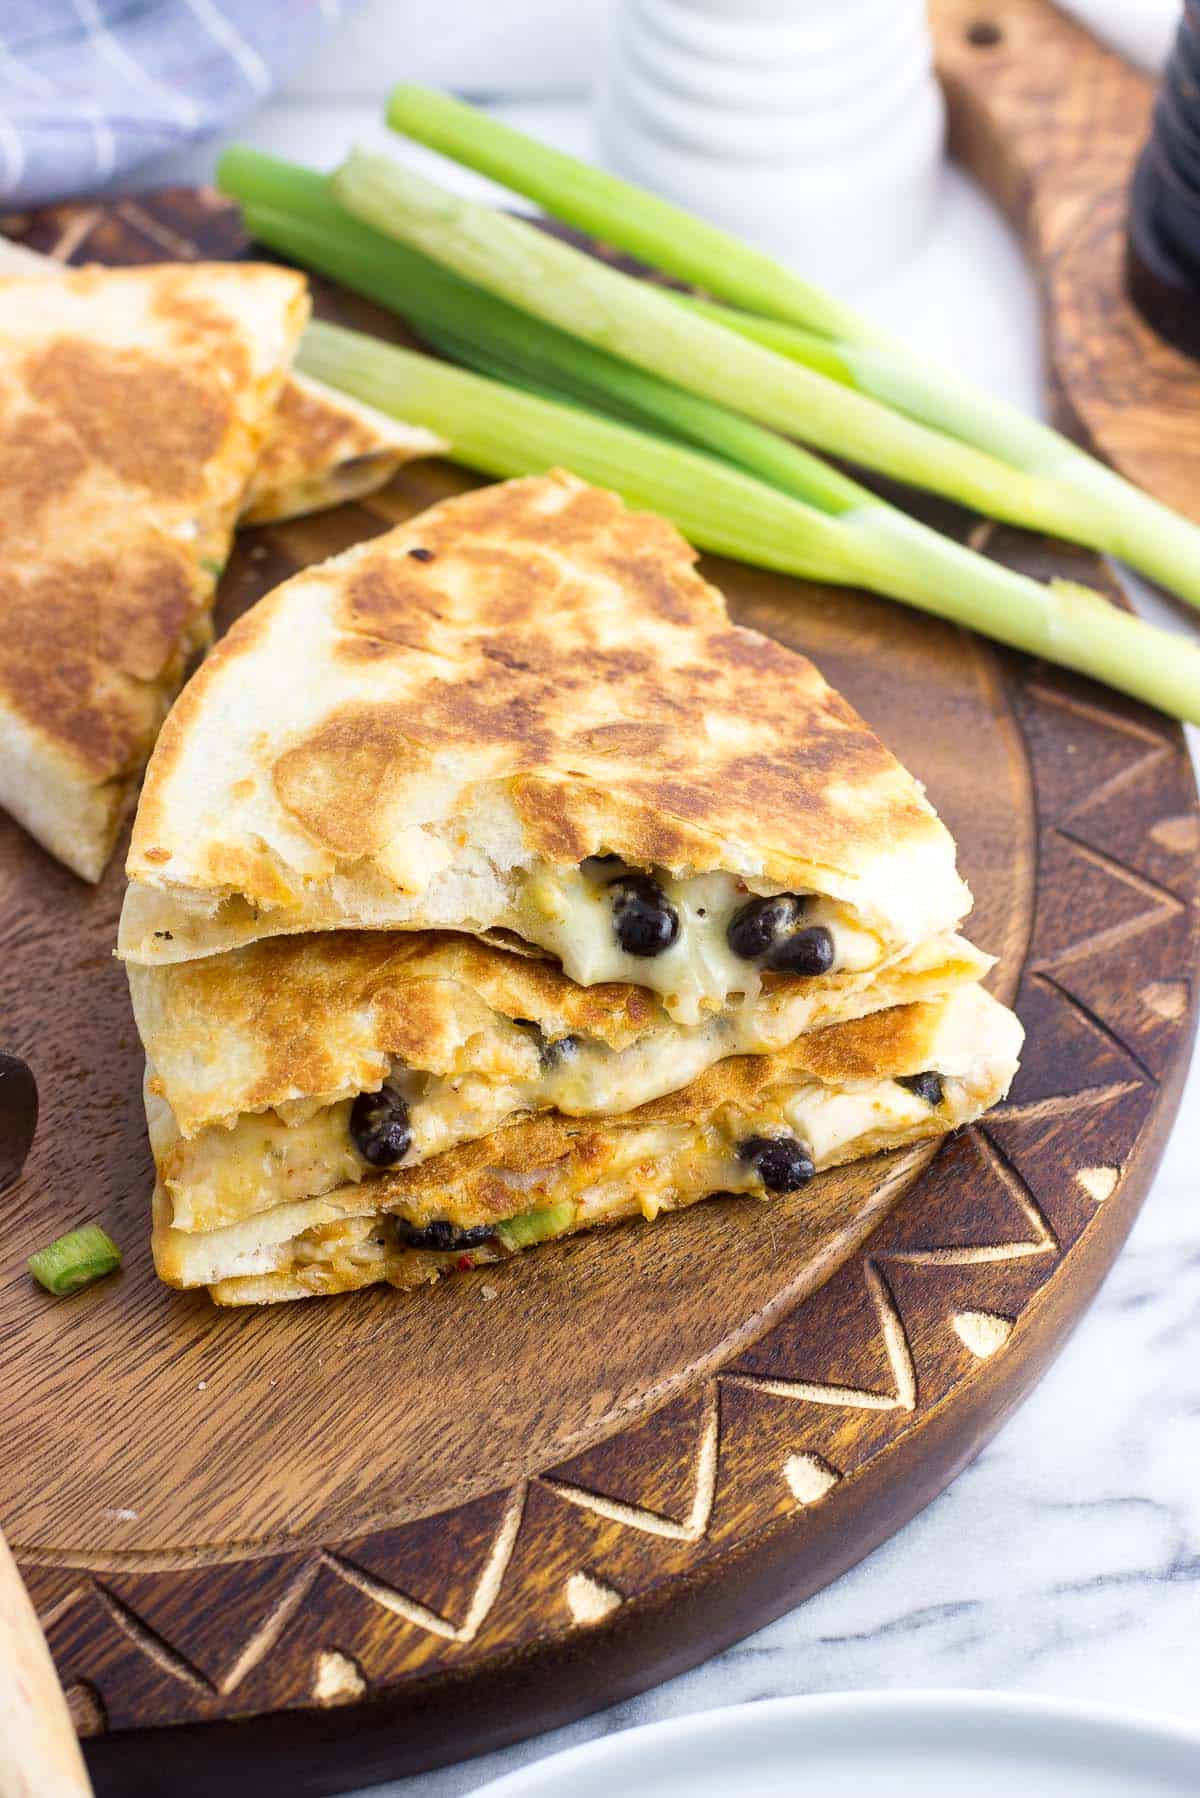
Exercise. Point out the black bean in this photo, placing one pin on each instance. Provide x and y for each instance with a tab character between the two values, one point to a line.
380	1128
756	926
644	919
806	952
927	1086
782	1162
551	1052
440	1235
421	555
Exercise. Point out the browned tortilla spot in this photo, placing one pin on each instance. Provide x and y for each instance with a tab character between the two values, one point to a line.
141	416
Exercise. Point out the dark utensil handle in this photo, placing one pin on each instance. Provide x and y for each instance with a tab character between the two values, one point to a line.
18	1115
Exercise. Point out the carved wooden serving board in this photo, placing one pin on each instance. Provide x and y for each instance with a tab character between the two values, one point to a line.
295	1550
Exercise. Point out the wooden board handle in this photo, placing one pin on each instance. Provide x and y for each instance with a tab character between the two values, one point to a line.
1051	122
39	1750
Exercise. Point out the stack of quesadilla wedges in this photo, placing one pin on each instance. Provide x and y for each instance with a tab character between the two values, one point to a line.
488	885
142	412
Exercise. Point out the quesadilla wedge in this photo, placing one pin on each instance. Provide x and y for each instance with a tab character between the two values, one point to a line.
134	404
754	1125
297	1065
326	448
525	711
323	448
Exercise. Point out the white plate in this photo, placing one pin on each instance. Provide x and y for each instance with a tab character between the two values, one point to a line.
878	1745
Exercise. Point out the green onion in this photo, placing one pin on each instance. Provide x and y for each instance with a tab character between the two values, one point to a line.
293	211
647	326
594	201
522	1231
75	1260
1071	493
500	431
473	327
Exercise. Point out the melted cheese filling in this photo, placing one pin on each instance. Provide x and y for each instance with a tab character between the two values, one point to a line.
568	911
221	1175
661	1167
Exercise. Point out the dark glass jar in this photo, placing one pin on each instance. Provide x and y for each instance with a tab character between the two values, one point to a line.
1163	253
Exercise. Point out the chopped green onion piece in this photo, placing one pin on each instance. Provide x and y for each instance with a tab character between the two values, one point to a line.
502	431
645	325
523	1231
1072	494
75	1260
212	566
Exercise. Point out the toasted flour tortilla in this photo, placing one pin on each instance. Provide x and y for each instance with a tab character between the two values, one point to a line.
326	448
436	729
323	448
134	404
838	1094
254	1058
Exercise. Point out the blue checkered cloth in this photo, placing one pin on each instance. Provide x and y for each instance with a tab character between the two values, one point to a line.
91	88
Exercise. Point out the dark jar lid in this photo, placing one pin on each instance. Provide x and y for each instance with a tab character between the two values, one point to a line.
1162	262
1164	288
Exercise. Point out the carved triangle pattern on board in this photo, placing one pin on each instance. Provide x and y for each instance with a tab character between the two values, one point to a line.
1091	1021
650	1522
903	1396
259	1645
1143	902
167	1659
1064	1105
1040	1239
1093	795
483	1597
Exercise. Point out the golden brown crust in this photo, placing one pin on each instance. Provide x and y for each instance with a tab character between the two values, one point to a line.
132	406
154	424
296	1017
328	433
560	653
340	782
83	644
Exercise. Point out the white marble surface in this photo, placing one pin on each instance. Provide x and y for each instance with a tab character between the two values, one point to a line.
1066	1559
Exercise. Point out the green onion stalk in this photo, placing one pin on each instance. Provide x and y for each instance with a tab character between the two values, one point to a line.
871	543
645	325
503	432
1066	491
292	210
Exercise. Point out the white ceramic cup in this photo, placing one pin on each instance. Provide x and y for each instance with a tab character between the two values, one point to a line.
810	127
